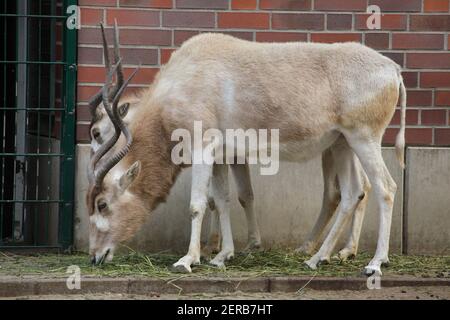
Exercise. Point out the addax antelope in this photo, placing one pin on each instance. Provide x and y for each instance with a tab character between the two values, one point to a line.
332	99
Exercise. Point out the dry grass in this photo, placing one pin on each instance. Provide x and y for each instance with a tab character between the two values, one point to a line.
264	263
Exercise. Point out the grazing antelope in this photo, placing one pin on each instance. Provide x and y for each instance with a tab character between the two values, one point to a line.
101	129
331	99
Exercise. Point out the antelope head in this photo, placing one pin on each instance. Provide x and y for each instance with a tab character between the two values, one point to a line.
109	200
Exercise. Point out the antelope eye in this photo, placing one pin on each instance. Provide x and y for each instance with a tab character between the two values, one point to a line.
101	205
123	110
95	133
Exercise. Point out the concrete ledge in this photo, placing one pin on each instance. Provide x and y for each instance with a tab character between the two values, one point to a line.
16	286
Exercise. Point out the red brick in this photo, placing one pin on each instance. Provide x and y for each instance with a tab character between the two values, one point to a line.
202	4
397	57
91	16
138	56
442	136
442	98
388	21
191	19
133	17
300	21
243	4
430	22
417	41
165	55
181	36
280	36
243	20
97	75
435	79
377	40
428	60
419	98
88	35
146	3
389	136
339	22
83	132
412	117
90	55
146	37
100	3
419	136
285	4
410	79
340	5
398	5
433	117
84	93
335	37
83	113
91	74
435	6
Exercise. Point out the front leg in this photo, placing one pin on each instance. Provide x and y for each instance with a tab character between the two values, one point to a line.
201	174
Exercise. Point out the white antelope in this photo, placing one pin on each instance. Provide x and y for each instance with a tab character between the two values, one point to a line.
102	129
331	99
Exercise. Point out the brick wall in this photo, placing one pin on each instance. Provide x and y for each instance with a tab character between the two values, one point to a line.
414	33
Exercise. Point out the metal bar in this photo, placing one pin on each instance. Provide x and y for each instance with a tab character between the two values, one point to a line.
68	136
31	201
2	189
28	247
9	154
32	62
21	123
33	109
52	70
31	16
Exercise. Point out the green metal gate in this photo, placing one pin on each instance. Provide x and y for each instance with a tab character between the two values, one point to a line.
37	124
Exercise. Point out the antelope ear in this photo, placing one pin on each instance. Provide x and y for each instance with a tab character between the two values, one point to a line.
128	177
123	109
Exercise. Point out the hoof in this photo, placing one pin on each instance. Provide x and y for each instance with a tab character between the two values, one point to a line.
370	271
324	261
217	264
219	260
312	265
180	268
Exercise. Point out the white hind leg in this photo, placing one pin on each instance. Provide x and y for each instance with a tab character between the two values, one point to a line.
352	194
220	193
351	248
368	150
242	178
